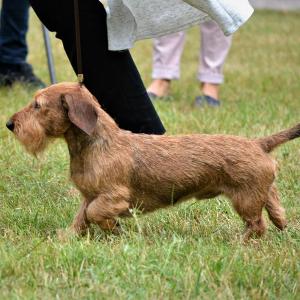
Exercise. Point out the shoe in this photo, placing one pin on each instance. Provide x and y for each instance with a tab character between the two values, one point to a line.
153	97
23	73
203	100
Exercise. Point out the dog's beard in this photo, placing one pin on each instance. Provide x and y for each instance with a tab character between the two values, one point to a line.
34	140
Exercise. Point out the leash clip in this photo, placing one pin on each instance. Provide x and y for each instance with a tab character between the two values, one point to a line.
80	78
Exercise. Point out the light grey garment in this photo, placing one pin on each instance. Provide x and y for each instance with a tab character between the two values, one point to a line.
132	20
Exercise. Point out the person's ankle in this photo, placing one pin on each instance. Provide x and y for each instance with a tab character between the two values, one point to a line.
160	87
210	89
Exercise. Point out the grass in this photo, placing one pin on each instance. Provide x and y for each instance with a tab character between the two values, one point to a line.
192	251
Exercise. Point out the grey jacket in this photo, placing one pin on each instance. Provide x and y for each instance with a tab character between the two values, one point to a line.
132	20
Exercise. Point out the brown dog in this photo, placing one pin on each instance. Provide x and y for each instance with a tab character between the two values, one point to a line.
116	170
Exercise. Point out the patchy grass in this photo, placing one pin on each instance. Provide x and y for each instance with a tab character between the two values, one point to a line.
192	251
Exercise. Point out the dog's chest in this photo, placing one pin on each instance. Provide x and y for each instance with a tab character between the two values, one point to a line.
94	177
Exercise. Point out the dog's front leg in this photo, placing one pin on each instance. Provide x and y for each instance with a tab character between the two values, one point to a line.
104	210
79	226
80	223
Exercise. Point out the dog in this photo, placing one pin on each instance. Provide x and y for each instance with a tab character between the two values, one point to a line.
116	170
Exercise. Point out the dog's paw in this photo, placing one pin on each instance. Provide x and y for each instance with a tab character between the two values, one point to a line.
65	235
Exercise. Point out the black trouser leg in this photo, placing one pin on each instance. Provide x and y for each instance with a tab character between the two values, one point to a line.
111	76
13	29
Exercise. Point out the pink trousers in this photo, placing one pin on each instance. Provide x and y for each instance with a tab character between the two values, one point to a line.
214	49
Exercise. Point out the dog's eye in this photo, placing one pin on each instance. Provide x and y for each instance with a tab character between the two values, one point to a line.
36	105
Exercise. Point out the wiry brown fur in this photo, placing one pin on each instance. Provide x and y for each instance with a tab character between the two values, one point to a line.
116	170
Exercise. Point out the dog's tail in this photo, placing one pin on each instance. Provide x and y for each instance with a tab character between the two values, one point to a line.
270	142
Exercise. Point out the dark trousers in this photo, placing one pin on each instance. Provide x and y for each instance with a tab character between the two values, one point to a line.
110	76
13	29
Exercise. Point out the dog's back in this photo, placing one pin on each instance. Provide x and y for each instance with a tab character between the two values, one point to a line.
196	165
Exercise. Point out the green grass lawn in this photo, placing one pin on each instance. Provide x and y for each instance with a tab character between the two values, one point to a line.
191	251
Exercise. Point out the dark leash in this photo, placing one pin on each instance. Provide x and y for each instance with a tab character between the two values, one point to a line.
80	77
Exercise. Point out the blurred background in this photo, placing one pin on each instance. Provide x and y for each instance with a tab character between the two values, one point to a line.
192	251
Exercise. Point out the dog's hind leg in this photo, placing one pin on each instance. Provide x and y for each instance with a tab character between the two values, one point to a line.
275	210
249	206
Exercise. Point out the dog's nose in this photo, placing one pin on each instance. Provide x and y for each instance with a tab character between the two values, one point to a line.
10	125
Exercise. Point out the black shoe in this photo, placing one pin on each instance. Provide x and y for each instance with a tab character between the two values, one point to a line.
204	100
153	97
23	73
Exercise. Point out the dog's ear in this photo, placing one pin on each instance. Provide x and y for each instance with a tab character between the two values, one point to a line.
81	112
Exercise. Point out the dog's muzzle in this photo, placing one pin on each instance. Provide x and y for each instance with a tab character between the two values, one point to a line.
10	125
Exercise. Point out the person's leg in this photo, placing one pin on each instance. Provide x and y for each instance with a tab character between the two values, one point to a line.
13	29
167	52
214	49
13	46
110	76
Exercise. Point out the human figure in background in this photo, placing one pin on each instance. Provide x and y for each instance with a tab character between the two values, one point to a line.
166	63
13	46
110	74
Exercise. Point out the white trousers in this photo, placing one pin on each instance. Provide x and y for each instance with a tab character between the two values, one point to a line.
214	49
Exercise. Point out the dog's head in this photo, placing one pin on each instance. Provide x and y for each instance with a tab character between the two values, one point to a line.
51	114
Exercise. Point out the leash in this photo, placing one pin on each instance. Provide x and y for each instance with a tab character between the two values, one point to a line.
80	76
